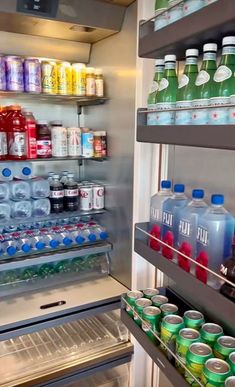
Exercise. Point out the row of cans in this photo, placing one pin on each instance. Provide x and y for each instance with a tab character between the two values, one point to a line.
200	347
91	196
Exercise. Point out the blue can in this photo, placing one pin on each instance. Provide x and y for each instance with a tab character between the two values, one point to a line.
87	143
14	73
32	75
3	83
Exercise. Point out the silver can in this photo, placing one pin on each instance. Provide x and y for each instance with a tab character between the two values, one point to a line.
86	198
59	141
98	197
230	382
74	142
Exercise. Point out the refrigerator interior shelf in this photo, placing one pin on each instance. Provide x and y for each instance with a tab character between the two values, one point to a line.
212	22
201	295
54	159
54	352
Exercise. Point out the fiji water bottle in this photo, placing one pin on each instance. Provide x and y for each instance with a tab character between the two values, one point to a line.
159	71
214	240
156	204
6	172
169	232
23	170
187	223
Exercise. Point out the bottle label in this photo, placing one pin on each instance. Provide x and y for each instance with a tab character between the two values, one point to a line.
90	86
99	87
154	87
183	81
184	228
17	144
228	50
202	236
209	56
163	84
3	144
231	115
219	114
32	141
222	73
165	117
156	214
183	117
44	148
57	194
200	116
167	218
202	78
71	192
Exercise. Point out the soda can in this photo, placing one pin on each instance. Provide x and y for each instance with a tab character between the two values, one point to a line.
215	372
32	75
87	143
170	327
139	306
231	362
74	142
86	198
64	78
185	338
3	81
193	319
14	73
224	346
169	309
159	300
98	197
49	77
131	297
149	293
152	317
210	333
79	79
196	357
59	141
230	382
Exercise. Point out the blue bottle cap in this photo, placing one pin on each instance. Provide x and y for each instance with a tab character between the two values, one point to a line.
179	188
67	241
80	240
40	245
54	244
103	235
166	184
26	171
217	199
11	250
198	194
6	172
26	248
92	238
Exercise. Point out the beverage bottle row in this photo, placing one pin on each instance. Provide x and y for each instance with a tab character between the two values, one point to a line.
201	96
170	10
24	209
201	232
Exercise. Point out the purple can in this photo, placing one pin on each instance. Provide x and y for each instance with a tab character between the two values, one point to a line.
32	75
3	81
14	73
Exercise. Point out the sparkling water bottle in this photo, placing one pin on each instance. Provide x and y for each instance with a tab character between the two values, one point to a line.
23	170
40	188
19	190
159	71
214	240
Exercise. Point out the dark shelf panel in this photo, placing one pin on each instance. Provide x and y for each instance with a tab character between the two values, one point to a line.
208	300
209	24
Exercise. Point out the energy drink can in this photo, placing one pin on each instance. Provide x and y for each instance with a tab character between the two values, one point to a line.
215	372
196	357
185	338
193	319
224	346
149	293
140	304
49	77
151	316
159	300
170	327
131	297
231	362
210	333
169	309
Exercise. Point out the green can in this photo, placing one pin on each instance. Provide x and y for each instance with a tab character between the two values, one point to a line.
193	319
149	293
131	297
168	309
224	346
170	327
215	372
159	300
140	304
210	333
185	338
231	362
196	357
230	382
161	5
152	317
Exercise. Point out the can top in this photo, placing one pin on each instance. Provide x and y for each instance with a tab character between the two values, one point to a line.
99	133
134	294
159	299
217	366
232	357
56	123
65	64
189	334
98	72
169	308
226	341
173	319
230	382
90	70
42	122
193	315
200	349
151	311
150	292
74	128
144	302
212	328
79	66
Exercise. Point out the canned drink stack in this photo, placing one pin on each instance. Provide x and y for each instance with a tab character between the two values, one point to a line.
170	327
64	78
14	73
86	198
49	77
131	297
32	75
185	338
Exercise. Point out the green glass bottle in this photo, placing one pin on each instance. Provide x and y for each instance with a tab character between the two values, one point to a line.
203	85
161	20
159	71
223	84
186	88
166	96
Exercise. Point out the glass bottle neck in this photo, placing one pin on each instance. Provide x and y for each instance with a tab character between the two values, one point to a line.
209	61
228	55
170	70
191	65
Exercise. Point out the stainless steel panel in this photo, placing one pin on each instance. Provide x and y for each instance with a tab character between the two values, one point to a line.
117	57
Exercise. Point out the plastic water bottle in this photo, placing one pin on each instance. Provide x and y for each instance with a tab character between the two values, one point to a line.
41	207
10	247
21	210
214	240
51	240
19	190
100	232
65	238
6	173
89	235
156	204
5	211
40	188
169	232
4	192
37	242
24	245
187	223
23	170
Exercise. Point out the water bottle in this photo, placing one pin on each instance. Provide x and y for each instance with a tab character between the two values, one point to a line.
23	170
156	204
77	237
19	190
89	235
214	240
9	247
5	211
41	207
40	188
65	238
23	245
6	173
4	192
169	233
100	232
21	210
37	242
51	240
187	223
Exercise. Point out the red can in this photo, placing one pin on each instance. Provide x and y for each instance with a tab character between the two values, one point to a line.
98	197
31	134
86	198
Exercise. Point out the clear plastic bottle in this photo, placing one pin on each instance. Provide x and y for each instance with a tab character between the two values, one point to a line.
6	171
19	190
77	237
100	232
23	171
5	211
99	83
40	188
51	240
10	247
65	238
37	242
4	192
21	210
23	245
50	175
41	207
56	195
64	176
89	235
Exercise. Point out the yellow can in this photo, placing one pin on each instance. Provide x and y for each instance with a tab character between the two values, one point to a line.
49	77
64	78
79	79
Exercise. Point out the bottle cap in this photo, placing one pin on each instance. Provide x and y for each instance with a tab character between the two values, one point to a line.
79	66
217	199
80	240
65	173
54	244
51	173
192	52
166	184
98	133
56	176
228	40
26	248
103	235
42	122
92	237
210	47
40	245
70	175
56	123
67	241
179	188
98	72
159	62
27	111
11	250
198	194
170	58
6	172
26	171
90	70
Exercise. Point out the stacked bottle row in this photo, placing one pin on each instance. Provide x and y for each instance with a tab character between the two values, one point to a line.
201	232
33	75
43	239
201	97
172	10
200	346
